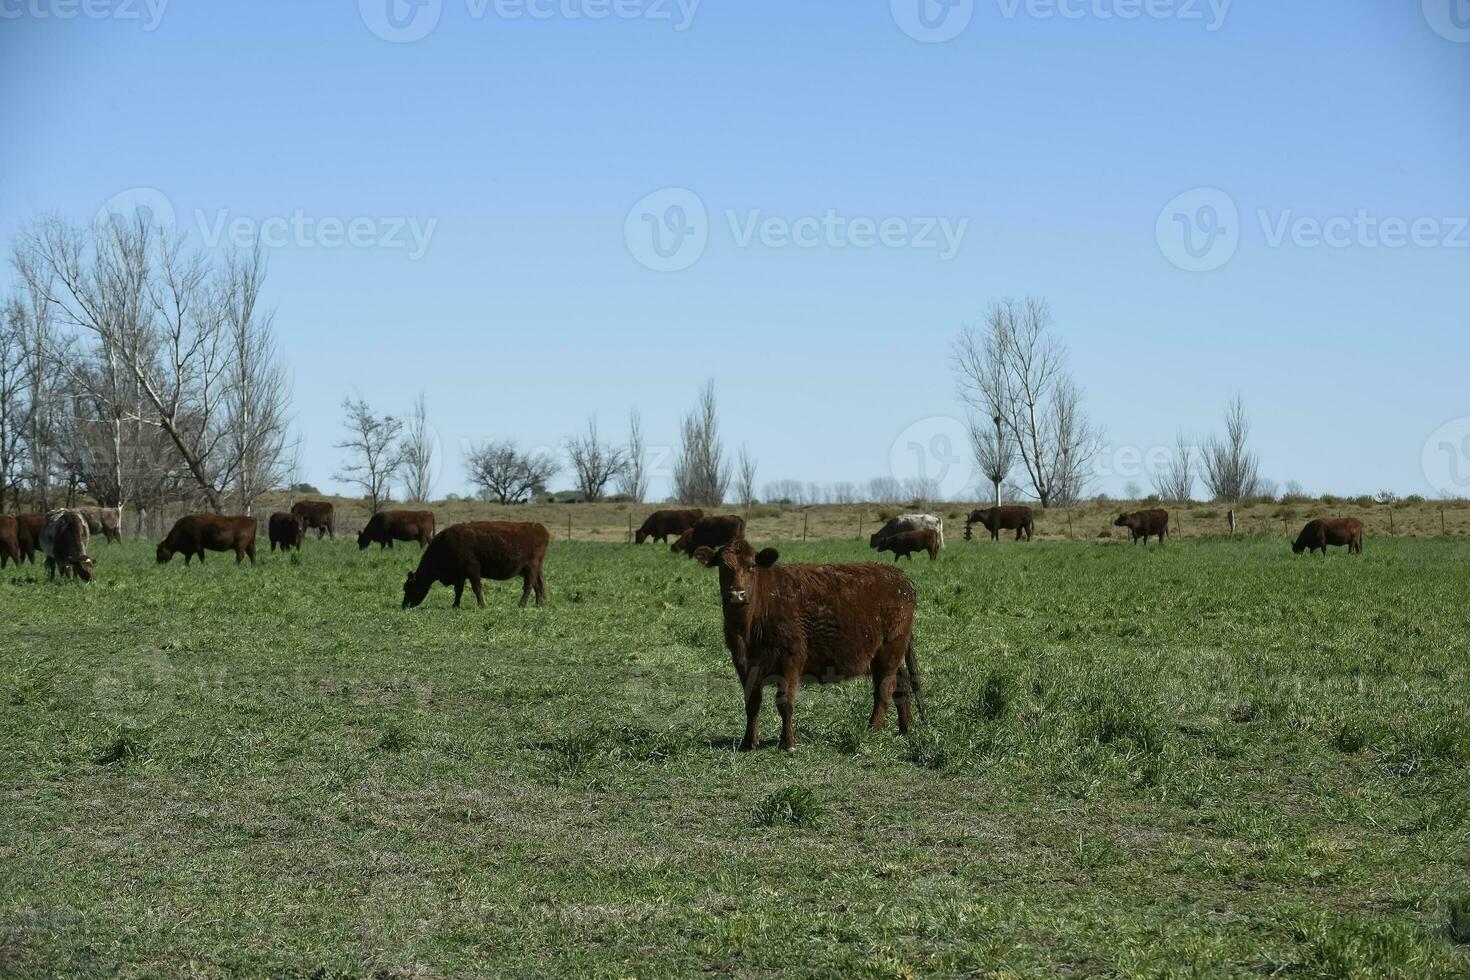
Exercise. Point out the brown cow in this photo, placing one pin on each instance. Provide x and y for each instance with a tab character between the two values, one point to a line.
286	530
106	521
387	526
317	514
828	622
709	532
64	541
493	550
663	524
28	529
1145	524
998	519
1331	532
9	540
196	533
905	543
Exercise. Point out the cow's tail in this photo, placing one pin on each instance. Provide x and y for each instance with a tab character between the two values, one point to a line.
911	673
941	532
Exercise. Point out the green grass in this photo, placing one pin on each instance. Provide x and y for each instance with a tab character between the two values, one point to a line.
1208	759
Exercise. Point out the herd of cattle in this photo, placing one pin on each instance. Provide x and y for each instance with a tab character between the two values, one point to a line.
783	624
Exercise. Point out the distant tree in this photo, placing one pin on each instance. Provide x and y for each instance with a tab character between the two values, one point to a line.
373	454
1133	491
884	490
745	477
14	384
785	492
594	463
844	493
994	451
632	481
505	474
701	475
1175	482
1231	470
418	453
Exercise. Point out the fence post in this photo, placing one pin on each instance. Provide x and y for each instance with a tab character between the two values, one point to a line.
1392	531
1069	524
1442	530
630	528
569	525
804	515
1230	519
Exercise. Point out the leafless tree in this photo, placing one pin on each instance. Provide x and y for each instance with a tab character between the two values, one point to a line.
257	388
844	493
1175	483
373	454
1231	471
1015	369
14	385
701	475
994	451
884	490
632	481
418	452
745	477
594	463
505	474
785	491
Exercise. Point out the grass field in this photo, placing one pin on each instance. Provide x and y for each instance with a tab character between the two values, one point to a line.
1202	760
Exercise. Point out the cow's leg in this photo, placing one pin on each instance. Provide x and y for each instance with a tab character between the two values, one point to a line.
883	683
540	587
786	704
250	550
754	692
479	593
458	592
528	581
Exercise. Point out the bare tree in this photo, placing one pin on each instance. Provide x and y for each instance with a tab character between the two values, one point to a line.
14	384
1231	471
701	475
785	491
257	389
844	493
884	490
505	474
374	456
745	477
418	452
995	453
1175	482
633	478
1016	370
594	462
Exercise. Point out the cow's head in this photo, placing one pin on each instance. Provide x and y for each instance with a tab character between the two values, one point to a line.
1299	545
1124	520
85	567
415	590
165	553
738	564
300	528
681	544
875	539
640	536
363	540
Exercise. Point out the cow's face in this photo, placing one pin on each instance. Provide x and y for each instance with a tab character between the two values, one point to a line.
363	540
84	568
164	553
414	590
639	537
1297	547
875	540
1123	521
738	564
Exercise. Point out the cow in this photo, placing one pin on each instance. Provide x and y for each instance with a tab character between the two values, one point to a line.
286	530
387	526
905	543
663	524
828	622
64	540
1330	532
494	550
195	534
998	519
106	521
9	539
317	514
28	535
709	532
1145	524
907	522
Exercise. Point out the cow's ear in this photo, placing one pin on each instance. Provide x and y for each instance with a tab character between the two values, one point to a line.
705	555
768	557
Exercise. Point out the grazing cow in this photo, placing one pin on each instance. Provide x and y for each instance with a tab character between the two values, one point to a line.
286	530
387	526
905	543
709	532
106	521
828	622
64	541
663	524
28	535
197	533
317	514
493	550
9	540
1145	524
1331	532
998	519
907	522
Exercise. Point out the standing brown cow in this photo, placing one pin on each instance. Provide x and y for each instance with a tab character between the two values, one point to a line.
709	532
998	519
106	521
196	533
1145	524
317	514
829	622
905	543
28	529
387	526
286	531
1331	532
9	540
664	524
491	549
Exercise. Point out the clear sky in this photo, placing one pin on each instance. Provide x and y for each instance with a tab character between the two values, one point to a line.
1051	138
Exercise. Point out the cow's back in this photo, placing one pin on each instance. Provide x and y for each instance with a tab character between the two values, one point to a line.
842	610
500	549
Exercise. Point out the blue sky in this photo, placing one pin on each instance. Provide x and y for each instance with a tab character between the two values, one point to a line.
517	136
